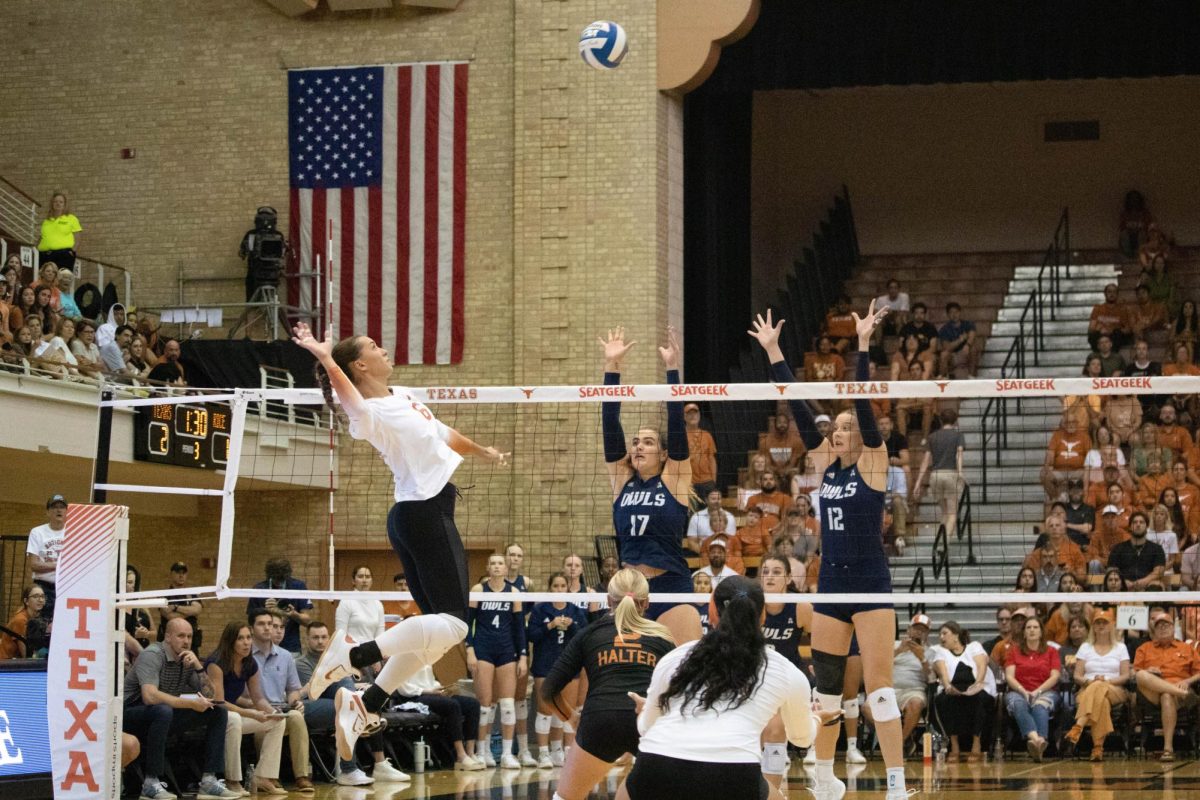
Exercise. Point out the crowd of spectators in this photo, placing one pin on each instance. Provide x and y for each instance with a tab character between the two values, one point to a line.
43	329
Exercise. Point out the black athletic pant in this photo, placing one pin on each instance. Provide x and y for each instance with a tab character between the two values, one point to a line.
424	536
656	777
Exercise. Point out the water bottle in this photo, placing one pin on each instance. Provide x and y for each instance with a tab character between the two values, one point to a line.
939	747
999	749
420	754
251	784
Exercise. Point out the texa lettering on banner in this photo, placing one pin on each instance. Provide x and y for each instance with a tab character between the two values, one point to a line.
83	706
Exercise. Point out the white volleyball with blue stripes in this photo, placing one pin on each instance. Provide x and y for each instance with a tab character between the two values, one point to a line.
602	45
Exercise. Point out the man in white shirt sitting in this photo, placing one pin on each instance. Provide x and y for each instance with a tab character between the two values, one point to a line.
911	675
699	527
896	302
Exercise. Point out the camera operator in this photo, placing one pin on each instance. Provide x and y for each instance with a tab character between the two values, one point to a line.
279	577
263	247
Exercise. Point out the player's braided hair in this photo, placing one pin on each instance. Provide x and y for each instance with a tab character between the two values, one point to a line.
345	353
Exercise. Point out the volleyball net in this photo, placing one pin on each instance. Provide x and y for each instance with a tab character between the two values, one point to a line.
285	480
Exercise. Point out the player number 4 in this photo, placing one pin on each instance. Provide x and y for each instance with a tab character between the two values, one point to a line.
834	517
638	523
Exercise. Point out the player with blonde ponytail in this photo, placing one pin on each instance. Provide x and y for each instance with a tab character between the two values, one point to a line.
618	652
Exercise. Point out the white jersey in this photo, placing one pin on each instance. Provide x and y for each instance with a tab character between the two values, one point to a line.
45	542
410	439
722	734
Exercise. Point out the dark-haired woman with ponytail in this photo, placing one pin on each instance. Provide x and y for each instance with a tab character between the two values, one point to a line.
708	703
853	463
619	653
423	454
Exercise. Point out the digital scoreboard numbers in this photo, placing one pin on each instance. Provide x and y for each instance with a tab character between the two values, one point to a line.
184	434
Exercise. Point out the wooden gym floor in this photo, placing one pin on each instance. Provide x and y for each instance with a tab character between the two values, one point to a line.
1017	779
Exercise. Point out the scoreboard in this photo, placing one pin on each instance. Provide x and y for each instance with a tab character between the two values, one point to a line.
184	434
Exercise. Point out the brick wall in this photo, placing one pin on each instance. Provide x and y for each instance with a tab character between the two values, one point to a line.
572	227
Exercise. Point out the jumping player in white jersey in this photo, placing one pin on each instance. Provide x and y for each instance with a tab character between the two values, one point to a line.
854	464
423	454
651	489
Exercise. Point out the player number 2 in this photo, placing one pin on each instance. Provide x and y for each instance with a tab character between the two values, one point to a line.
638	523
835	519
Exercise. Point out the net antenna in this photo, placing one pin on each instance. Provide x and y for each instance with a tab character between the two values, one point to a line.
329	326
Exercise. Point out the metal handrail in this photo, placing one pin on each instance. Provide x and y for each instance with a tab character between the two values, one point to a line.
917	585
940	556
1031	335
964	525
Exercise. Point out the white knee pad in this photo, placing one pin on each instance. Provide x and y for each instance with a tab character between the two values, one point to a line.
522	711
555	723
486	715
508	711
541	724
850	708
828	702
775	758
883	704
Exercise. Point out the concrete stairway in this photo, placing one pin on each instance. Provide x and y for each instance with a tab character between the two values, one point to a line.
1003	526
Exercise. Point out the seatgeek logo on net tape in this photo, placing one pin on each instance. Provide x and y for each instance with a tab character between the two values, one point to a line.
1001	387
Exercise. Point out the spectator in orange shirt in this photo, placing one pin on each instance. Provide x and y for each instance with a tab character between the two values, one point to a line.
773	503
839	325
1122	415
1165	670
400	608
1112	528
1065	456
1151	484
751	540
1172	435
782	446
824	366
1145	315
1109	318
1097	491
1067	553
702	452
1185	485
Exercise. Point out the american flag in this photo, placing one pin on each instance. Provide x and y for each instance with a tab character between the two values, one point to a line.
378	161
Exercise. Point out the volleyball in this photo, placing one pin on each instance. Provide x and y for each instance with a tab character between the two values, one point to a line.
603	45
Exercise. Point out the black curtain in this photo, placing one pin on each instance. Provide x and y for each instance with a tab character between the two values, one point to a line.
230	364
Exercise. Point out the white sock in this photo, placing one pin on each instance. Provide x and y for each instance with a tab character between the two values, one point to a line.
480	747
522	742
556	747
851	742
824	771
895	779
506	747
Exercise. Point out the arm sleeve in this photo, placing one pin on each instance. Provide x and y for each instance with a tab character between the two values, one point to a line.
677	441
659	682
537	626
472	616
518	631
610	419
862	405
341	617
564	670
798	719
805	422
